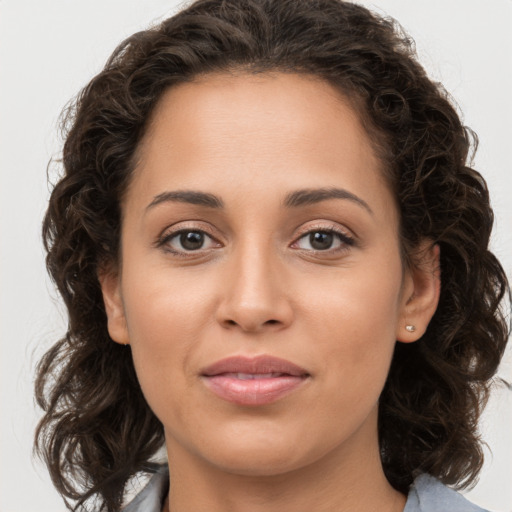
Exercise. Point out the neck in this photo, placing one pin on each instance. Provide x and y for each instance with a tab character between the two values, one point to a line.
349	478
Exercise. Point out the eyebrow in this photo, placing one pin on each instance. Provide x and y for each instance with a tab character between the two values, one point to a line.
294	199
187	196
316	195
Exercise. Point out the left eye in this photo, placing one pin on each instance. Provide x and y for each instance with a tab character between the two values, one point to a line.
189	240
323	240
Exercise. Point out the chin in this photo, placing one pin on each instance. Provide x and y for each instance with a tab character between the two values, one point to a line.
262	454
258	464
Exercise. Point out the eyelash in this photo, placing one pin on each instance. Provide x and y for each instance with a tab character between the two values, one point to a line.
163	242
345	239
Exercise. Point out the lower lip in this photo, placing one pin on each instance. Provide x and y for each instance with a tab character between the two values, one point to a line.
252	391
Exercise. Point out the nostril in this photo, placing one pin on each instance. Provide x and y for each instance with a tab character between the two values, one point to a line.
232	323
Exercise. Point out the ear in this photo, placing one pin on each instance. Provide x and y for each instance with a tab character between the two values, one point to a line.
110	287
420	293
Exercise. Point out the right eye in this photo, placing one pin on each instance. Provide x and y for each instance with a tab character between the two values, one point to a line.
188	240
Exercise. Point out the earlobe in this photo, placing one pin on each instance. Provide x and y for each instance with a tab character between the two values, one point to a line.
422	288
110	288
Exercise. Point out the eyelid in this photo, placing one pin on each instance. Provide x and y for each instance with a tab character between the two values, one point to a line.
345	235
329	226
182	227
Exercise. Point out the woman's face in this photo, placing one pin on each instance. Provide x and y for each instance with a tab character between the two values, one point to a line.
258	228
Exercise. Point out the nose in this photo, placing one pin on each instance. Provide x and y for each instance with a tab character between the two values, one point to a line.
254	295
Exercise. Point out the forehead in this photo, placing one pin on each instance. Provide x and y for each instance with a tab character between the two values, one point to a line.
265	128
254	108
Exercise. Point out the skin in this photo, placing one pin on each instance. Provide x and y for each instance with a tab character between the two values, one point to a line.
256	286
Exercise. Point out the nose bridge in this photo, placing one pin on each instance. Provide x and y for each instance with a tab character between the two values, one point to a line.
254	292
253	273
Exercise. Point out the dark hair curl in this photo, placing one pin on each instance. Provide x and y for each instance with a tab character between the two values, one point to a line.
98	430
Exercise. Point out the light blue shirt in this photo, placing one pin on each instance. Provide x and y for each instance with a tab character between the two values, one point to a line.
427	494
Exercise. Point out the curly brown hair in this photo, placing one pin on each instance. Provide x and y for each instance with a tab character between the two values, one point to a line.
98	430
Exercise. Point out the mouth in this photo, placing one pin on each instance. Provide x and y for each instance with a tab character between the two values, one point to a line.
253	380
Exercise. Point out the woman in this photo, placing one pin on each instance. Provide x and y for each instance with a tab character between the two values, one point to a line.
275	260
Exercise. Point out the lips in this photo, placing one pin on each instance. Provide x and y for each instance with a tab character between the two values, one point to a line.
253	380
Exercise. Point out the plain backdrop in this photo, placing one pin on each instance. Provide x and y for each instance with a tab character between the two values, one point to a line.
49	49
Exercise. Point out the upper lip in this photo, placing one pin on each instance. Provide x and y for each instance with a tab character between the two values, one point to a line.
259	364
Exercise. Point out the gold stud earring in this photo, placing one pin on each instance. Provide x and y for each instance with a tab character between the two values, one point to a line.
410	328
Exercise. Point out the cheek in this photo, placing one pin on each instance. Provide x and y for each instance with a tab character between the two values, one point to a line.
164	306
166	316
353	321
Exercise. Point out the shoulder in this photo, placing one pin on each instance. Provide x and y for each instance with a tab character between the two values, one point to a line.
152	495
427	494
